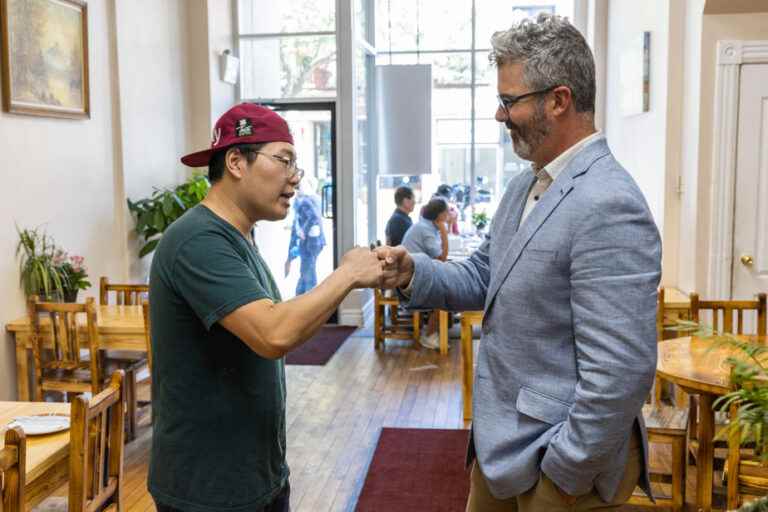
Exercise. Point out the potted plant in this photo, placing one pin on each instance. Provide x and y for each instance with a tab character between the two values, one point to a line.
73	273
155	213
480	220
38	272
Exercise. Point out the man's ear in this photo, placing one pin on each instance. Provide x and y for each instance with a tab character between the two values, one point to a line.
562	100
234	162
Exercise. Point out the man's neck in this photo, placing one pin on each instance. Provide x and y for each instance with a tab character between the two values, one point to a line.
225	207
562	143
403	211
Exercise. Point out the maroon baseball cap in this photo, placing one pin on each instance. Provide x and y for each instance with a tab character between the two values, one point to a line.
246	123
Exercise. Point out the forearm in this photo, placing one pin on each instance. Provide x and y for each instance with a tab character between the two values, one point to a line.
274	329
443	243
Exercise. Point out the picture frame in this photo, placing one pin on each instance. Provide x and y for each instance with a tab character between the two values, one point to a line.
44	46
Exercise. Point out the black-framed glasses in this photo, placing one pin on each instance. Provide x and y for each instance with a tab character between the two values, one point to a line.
290	165
506	102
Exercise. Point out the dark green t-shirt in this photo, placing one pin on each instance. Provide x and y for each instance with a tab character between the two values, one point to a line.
218	407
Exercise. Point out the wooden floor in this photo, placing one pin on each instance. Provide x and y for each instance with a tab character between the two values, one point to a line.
335	413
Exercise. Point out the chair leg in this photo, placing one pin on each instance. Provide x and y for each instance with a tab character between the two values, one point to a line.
678	474
130	389
378	327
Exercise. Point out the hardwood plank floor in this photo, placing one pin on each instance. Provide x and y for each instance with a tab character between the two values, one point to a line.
334	416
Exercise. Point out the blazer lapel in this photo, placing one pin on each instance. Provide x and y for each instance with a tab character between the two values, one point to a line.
550	200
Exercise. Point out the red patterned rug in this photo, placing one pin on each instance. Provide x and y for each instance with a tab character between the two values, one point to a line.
417	469
321	347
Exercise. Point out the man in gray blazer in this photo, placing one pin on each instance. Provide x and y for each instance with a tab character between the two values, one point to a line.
567	278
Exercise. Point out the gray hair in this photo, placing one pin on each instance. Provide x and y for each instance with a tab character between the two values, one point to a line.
553	52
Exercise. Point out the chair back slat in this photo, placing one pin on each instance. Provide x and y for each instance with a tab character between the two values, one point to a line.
96	449
56	340
730	308
125	294
13	470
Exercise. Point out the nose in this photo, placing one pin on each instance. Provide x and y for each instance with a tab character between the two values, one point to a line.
501	114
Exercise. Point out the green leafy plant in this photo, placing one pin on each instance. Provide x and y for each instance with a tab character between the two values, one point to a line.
760	505
155	213
38	272
480	220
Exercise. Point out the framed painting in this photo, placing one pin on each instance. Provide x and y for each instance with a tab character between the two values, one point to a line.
45	57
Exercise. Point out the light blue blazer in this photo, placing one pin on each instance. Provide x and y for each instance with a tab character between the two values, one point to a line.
568	351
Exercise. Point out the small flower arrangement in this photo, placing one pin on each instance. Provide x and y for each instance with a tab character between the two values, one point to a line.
73	274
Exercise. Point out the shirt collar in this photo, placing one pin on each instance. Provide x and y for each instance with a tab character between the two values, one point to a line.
558	165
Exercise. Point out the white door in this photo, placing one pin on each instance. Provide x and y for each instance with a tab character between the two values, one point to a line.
750	243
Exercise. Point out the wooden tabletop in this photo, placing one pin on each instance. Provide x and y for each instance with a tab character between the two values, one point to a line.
110	320
43	452
698	364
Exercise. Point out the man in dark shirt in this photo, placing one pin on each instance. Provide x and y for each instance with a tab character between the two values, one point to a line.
399	222
220	329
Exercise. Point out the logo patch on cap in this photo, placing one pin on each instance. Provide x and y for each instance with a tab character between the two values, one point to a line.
244	128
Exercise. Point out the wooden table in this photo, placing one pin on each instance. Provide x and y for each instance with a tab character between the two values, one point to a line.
468	320
47	456
120	328
699	369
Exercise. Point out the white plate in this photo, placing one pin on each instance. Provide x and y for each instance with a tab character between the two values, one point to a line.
42	424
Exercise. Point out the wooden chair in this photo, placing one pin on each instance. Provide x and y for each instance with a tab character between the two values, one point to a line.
725	315
96	450
130	362
666	425
13	461
399	327
65	370
125	294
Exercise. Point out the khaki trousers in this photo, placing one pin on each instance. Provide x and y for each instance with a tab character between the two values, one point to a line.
545	497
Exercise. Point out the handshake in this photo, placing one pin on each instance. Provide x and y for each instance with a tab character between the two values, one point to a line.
378	267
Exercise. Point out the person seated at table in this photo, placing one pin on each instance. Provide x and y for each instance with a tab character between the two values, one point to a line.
400	221
446	192
220	329
430	236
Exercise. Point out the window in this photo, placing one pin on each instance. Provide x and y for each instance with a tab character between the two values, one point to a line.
287	49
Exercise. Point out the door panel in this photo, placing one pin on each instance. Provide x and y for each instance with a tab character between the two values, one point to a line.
750	258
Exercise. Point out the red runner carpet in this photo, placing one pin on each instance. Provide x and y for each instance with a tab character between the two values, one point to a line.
417	469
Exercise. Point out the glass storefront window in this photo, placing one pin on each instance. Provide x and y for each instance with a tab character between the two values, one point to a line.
288	67
257	17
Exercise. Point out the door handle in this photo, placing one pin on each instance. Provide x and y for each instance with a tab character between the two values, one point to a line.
747	260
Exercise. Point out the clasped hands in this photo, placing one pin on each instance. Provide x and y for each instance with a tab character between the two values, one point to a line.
378	267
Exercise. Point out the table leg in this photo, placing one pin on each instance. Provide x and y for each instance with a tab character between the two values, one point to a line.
443	329
467	368
22	368
705	458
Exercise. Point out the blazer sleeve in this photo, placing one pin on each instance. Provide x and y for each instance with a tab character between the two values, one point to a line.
452	285
615	272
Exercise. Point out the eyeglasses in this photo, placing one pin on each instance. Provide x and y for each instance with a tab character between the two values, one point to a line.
506	102
291	170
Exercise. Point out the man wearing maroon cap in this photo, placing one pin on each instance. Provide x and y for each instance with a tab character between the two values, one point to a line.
220	330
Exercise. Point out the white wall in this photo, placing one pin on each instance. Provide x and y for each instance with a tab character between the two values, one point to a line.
154	114
639	141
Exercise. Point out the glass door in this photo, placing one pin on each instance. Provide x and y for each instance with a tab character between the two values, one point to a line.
302	248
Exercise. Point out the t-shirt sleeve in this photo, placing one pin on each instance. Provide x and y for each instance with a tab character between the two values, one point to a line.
211	275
